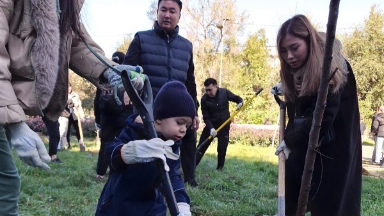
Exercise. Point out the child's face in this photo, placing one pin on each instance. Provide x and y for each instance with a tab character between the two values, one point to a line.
173	128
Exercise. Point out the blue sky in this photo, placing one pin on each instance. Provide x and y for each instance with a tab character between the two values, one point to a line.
108	21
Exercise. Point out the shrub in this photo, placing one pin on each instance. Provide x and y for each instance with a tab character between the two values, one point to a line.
36	124
253	135
89	129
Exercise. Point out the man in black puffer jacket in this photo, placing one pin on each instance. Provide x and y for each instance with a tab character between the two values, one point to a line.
165	56
215	109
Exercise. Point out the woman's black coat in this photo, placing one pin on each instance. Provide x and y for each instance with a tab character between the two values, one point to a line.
336	182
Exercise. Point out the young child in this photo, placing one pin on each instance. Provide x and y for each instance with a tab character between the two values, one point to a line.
133	184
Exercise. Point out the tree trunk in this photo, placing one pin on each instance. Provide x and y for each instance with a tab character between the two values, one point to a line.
319	110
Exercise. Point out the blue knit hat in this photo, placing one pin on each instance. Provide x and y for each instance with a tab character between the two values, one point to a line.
173	100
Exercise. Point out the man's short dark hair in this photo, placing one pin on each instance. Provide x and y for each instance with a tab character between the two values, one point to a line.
210	81
177	1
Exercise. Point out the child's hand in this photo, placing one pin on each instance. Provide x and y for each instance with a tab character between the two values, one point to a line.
143	151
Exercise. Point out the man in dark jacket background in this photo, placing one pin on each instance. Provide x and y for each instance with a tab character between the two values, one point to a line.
215	109
164	56
378	130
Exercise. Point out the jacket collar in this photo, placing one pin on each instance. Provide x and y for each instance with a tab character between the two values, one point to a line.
159	31
216	96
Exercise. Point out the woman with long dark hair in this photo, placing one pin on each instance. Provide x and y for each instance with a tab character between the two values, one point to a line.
336	183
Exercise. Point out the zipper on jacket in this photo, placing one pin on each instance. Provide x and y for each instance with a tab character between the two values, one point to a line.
169	59
167	37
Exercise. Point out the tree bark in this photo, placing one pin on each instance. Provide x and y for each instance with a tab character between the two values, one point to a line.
319	110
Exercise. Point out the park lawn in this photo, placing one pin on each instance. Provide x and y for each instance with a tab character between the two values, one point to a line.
246	186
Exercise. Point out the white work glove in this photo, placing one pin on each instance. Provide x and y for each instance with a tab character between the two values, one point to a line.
277	89
28	145
114	78
239	105
184	209
97	126
143	151
283	147
213	132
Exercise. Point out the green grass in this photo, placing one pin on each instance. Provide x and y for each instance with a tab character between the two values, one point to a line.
368	142
246	186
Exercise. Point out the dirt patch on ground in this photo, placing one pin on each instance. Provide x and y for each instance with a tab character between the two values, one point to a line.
372	169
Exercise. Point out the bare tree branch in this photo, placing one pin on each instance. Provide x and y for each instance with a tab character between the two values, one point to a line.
319	110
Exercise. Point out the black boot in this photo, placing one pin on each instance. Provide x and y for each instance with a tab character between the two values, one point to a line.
220	161
191	183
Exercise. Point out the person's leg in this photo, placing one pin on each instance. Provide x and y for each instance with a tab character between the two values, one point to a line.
378	149
222	144
77	129
70	123
188	157
9	178
204	135
63	127
107	133
54	135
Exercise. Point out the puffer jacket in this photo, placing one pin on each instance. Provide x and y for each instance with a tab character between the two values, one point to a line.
134	189
216	110
164	57
378	125
35	58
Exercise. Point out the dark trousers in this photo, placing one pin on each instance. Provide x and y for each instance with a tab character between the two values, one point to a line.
75	124
53	133
222	144
188	155
9	178
111	126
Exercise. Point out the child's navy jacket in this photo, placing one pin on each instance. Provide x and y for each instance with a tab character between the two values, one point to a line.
134	189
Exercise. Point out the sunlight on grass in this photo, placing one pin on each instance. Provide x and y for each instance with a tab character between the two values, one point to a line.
246	186
369	142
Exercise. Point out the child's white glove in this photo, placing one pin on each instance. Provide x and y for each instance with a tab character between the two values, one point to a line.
277	89
143	151
239	105
184	209
283	147
213	132
28	145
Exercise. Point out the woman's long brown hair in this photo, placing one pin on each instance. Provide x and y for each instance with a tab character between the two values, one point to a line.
70	17
305	80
